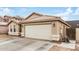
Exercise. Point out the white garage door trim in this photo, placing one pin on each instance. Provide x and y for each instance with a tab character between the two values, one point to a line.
38	31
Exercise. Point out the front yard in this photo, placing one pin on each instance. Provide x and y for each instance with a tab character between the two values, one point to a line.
12	43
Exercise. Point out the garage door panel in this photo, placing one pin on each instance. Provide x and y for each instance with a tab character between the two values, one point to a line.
38	31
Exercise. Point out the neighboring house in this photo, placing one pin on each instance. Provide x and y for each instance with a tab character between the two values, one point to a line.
3	28
39	26
4	23
7	18
75	27
1	19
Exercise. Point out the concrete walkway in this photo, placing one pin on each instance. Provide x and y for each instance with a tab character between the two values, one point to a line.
70	45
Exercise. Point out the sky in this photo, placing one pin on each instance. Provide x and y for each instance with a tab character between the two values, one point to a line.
66	13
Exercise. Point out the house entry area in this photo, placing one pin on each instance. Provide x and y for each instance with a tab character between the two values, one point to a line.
38	31
71	33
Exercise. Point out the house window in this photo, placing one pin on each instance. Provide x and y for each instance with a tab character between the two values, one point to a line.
11	30
14	28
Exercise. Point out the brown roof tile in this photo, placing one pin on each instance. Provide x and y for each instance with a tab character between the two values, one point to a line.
33	14
44	18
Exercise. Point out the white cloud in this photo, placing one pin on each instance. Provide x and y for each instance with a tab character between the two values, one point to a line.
65	15
5	11
76	11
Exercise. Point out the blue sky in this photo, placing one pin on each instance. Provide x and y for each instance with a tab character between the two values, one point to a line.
67	13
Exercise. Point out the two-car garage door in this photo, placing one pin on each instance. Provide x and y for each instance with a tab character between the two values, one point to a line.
38	31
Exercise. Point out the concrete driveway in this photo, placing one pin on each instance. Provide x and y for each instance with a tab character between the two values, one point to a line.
11	43
23	44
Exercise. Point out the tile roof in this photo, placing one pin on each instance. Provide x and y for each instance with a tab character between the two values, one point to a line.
33	14
18	18
42	18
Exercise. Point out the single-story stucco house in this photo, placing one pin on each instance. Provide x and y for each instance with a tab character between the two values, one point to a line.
3	24
39	26
3	28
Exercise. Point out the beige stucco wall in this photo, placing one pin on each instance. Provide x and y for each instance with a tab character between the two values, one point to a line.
61	29
22	30
11	26
55	35
77	35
